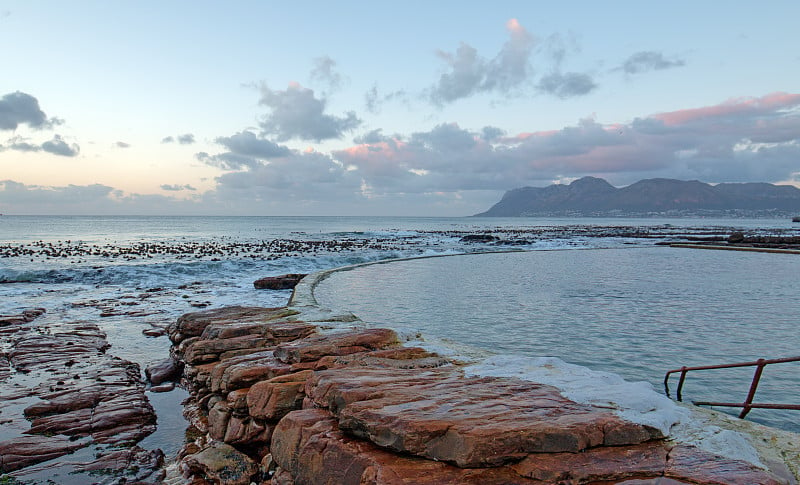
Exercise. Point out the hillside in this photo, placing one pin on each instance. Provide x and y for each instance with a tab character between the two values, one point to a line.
595	196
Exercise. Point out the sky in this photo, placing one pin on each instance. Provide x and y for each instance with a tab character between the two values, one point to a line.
415	108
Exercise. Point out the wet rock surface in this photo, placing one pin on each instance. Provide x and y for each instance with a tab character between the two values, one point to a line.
282	282
61	394
353	406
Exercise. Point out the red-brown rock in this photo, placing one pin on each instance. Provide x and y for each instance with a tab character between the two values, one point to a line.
243	371
193	324
471	422
221	463
597	464
282	282
28	450
701	467
276	397
308	447
341	343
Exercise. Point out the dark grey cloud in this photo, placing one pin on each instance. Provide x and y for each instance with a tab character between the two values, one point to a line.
644	61
122	144
177	188
57	146
20	108
468	73
567	85
297	113
248	144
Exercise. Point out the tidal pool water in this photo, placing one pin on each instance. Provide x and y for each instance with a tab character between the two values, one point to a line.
638	312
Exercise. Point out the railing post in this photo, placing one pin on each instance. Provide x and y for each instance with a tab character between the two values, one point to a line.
680	383
753	387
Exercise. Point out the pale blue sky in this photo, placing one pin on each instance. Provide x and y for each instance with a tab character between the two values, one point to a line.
273	108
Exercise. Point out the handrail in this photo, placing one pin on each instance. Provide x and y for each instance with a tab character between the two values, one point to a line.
748	404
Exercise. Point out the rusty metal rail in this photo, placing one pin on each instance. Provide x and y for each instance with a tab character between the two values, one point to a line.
748	404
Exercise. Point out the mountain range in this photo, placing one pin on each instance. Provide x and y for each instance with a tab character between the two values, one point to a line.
595	196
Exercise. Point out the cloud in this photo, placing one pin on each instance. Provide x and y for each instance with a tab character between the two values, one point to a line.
468	73
373	101
490	133
177	188
122	144
325	72
57	146
644	61
20	108
567	85
248	144
185	139
297	113
370	137
743	139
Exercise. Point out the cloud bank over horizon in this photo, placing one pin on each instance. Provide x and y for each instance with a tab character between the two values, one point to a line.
739	140
333	145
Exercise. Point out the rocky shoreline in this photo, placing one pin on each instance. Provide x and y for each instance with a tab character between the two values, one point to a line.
301	395
70	404
298	395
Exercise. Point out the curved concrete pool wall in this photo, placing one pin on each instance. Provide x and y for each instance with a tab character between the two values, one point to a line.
707	429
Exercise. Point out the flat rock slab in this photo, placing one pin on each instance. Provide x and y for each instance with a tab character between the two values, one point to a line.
310	449
472	422
193	324
340	343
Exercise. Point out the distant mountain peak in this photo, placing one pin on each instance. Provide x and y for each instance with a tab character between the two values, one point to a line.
595	196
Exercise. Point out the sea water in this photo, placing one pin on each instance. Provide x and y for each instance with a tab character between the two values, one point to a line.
96	269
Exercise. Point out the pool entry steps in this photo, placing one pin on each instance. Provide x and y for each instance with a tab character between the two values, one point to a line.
748	403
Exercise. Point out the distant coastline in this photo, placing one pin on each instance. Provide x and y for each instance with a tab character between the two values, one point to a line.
594	197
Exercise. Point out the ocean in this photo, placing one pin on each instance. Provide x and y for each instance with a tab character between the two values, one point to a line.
96	269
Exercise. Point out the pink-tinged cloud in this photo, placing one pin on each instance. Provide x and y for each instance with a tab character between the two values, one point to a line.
732	107
513	26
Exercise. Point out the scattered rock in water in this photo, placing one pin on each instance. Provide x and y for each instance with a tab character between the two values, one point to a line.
74	395
154	332
479	238
165	370
282	282
736	238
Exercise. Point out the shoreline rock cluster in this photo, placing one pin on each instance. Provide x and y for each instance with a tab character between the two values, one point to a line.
283	396
61	393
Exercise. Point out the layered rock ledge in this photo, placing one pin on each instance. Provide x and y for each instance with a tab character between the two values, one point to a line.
62	394
297	395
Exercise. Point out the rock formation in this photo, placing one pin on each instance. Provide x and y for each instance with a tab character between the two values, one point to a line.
281	401
63	393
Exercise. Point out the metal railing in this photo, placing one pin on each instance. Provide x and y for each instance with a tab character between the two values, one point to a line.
748	404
